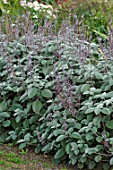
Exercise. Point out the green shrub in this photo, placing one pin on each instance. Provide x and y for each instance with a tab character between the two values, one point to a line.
96	14
25	87
78	124
57	96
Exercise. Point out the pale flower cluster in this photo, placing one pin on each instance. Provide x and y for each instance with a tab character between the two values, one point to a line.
48	9
38	6
5	1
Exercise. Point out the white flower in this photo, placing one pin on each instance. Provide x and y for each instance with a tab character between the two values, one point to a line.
22	3
43	6
49	6
36	8
35	16
49	12
54	16
13	25
5	2
36	4
30	4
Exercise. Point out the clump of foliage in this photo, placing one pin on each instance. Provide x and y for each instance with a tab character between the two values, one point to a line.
57	92
96	15
78	124
58	98
25	86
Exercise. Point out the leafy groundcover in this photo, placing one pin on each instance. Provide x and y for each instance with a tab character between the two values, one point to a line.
58	99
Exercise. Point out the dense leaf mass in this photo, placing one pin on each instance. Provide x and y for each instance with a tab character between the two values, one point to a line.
56	90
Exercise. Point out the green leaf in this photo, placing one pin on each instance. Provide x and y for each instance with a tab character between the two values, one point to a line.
60	138
80	165
96	121
14	124
111	82
94	129
106	166
90	110
97	111
109	95
109	124
106	111
32	92
21	88
111	161
4	114
68	148
26	123
52	48
37	106
46	148
57	132
3	137
38	149
6	123
1	66
73	159
76	151
83	159
76	135
20	141
98	158
70	130
47	71
74	146
27	137
85	87
23	96
99	139
92	164
46	93
99	76
22	146
55	161
89	136
18	119
3	106
60	153
101	34
99	148
91	150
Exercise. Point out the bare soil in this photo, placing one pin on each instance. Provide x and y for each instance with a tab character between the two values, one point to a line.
11	158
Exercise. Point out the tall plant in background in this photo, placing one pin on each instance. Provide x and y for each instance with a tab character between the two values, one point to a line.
96	15
35	11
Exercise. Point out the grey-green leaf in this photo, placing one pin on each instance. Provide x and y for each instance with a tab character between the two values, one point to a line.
111	161
68	148
109	124
4	114
22	145
38	149
60	138
92	164
37	106
98	158
6	123
32	92
76	135
85	87
3	106
46	93
60	153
